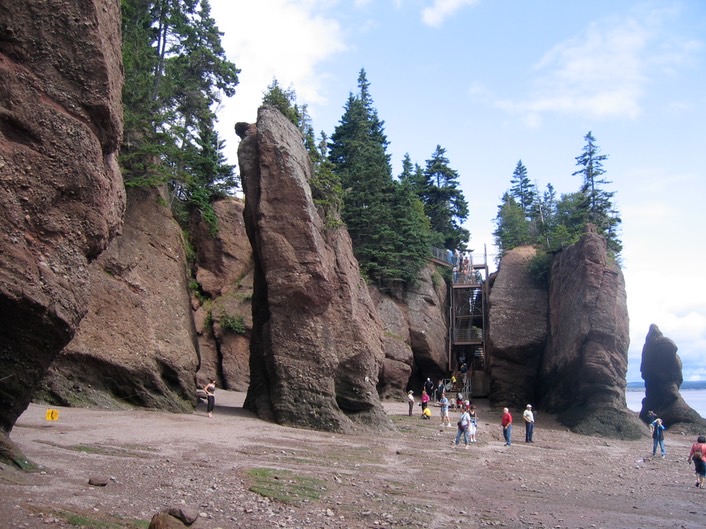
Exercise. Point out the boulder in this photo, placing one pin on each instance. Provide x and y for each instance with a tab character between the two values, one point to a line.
661	370
224	276
584	367
137	344
316	347
517	331
61	193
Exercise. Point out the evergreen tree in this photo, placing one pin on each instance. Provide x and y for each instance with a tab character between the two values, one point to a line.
511	225
597	204
444	202
385	227
175	74
523	190
283	100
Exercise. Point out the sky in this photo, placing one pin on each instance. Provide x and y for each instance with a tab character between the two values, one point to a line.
494	82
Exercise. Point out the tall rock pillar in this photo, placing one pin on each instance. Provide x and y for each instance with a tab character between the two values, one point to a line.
316	348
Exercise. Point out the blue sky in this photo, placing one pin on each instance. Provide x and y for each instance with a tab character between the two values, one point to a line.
496	81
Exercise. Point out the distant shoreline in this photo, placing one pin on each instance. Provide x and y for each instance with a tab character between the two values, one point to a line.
687	384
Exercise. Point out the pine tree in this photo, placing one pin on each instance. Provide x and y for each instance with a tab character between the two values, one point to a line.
444	202
597	203
175	75
385	228
523	190
511	225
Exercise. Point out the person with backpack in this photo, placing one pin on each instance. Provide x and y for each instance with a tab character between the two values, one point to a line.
658	437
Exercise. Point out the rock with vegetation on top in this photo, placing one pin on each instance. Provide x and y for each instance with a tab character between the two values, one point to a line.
62	196
316	348
583	371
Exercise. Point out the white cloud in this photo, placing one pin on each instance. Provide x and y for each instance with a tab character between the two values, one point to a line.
286	39
604	71
435	14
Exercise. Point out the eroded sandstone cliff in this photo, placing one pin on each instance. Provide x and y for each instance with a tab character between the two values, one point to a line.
137	343
583	372
61	194
222	301
518	316
316	348
415	334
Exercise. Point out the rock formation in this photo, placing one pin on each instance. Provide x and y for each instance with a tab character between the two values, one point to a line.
316	347
61	193
583	371
137	343
415	334
662	372
224	273
518	316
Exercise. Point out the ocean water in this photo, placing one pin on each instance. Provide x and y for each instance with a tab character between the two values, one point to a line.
696	398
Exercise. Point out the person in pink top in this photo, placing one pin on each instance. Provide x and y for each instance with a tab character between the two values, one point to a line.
425	400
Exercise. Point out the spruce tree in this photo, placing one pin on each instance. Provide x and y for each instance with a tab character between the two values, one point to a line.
175	75
444	202
511	225
384	225
523	190
597	203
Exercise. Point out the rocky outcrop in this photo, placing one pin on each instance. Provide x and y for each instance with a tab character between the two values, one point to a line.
415	334
137	343
661	370
518	316
583	371
316	347
61	193
223	295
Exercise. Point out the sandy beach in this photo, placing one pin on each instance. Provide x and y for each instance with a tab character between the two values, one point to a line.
410	477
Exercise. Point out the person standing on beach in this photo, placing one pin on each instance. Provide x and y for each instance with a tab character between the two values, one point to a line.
506	423
700	469
444	402
528	416
410	401
463	425
210	390
473	427
698	446
658	437
425	400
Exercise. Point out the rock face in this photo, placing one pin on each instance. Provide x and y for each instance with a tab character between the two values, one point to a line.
137	343
316	349
415	334
662	372
518	316
223	315
583	371
61	193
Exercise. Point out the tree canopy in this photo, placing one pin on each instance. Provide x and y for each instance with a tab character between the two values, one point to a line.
175	74
389	231
525	217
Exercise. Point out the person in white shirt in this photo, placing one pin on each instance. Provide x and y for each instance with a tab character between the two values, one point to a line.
528	416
